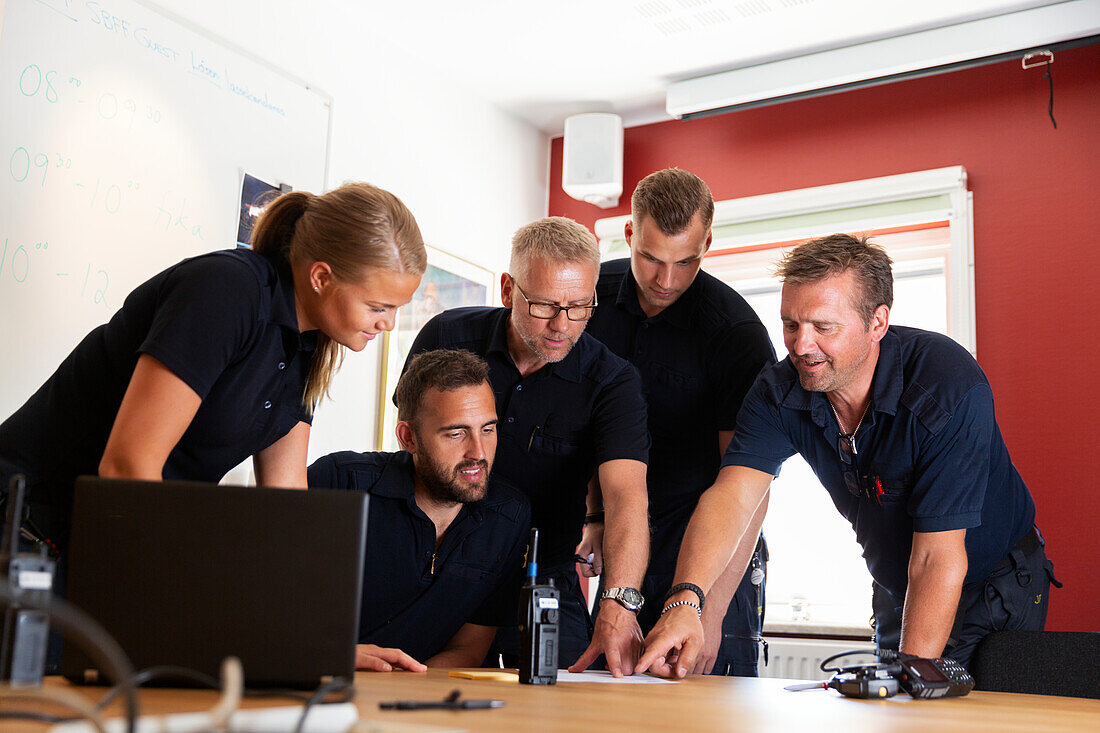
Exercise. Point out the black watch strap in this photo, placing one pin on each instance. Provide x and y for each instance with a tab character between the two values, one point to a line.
686	586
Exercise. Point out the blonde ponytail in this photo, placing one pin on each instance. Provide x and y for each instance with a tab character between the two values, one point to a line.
353	227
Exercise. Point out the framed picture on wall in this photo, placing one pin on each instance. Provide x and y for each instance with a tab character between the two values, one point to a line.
256	195
449	282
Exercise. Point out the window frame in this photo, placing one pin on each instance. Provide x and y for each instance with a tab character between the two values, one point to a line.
949	182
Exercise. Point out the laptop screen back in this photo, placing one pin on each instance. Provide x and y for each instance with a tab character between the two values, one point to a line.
185	574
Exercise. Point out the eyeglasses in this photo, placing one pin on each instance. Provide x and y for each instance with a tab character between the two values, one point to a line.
845	446
549	311
868	485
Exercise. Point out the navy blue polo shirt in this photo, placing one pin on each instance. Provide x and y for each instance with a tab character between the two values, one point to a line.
697	359
225	324
929	439
557	425
417	596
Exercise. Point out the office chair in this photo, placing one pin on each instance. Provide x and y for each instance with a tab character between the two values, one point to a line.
1065	663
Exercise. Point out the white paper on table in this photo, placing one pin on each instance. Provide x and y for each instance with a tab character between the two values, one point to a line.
605	676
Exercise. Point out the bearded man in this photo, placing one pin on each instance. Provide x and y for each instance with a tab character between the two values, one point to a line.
445	543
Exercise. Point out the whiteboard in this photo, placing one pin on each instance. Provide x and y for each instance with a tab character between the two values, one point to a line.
124	137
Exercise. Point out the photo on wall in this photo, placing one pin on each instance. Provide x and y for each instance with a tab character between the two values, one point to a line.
449	282
256	195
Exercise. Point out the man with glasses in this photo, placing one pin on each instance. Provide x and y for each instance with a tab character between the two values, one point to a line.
698	347
898	425
569	409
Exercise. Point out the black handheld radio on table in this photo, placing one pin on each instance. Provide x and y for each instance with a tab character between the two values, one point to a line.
29	580
538	626
927	678
920	677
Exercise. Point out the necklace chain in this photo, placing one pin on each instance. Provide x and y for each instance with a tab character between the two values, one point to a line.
850	437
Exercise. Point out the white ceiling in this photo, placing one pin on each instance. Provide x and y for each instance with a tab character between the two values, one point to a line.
544	61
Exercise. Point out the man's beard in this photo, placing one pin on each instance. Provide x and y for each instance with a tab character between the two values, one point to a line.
534	343
447	484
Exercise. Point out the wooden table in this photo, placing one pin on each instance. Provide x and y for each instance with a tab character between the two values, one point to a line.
695	704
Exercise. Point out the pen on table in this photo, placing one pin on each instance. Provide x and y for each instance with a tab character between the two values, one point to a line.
441	704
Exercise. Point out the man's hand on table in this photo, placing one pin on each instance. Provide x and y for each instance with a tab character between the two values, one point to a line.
675	643
617	636
372	658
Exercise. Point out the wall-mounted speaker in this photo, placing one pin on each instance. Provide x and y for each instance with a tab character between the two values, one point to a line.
592	163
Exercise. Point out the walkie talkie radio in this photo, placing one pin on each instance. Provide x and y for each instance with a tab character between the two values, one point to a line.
538	626
921	678
928	678
29	579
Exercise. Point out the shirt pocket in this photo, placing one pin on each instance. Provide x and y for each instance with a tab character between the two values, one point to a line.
482	574
555	441
895	481
675	381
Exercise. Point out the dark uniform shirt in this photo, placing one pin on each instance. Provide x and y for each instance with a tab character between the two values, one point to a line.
557	425
416	596
225	324
697	359
930	455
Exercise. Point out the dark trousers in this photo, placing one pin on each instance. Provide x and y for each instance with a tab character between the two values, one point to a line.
739	652
574	624
1013	597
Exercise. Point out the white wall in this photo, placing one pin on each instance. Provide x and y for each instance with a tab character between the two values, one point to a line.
471	173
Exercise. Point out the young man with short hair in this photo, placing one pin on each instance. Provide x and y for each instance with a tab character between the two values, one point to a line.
698	347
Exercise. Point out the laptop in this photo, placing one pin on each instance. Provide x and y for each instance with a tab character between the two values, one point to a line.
185	574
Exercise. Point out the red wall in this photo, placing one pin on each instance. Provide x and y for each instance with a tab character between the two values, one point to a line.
1036	247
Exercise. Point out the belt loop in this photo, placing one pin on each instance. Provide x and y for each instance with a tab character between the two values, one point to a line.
1023	575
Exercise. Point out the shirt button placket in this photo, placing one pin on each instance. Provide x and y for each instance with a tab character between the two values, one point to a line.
519	388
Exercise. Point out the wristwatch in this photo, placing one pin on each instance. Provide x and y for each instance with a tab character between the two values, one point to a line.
629	598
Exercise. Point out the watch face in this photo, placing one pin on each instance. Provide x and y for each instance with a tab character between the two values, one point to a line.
631	598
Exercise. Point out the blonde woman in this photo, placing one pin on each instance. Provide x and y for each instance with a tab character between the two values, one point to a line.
221	356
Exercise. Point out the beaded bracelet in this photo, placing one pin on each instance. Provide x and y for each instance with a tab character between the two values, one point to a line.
671	606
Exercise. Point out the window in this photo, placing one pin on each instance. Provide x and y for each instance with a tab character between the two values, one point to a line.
816	577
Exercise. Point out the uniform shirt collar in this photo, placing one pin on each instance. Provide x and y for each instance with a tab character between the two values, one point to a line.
396	480
568	368
679	314
283	311
889	374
